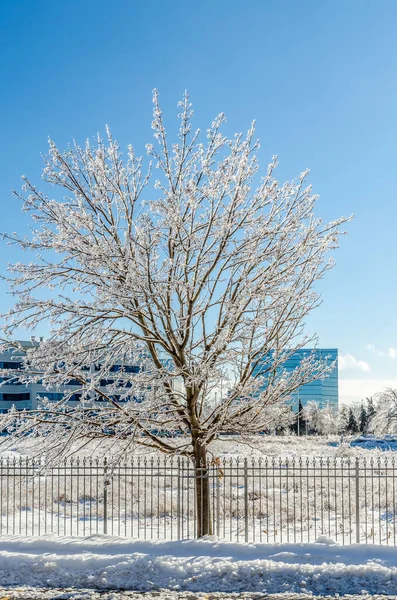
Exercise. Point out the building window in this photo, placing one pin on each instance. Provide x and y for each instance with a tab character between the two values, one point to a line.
51	396
125	368
15	397
10	365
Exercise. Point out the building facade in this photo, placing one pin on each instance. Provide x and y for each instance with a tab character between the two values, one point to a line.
21	395
27	396
324	390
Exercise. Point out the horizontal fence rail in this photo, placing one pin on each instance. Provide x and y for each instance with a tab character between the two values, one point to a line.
262	500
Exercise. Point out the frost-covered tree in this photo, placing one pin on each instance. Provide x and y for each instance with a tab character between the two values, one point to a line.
193	270
350	418
371	412
384	420
313	415
343	419
329	420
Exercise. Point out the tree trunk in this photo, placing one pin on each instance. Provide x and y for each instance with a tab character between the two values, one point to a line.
203	494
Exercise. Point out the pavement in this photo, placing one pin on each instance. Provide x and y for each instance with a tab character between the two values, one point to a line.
22	593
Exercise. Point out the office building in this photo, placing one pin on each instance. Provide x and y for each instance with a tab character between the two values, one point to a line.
324	390
27	396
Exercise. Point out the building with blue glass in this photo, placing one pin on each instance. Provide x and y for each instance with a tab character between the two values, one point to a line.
324	390
26	396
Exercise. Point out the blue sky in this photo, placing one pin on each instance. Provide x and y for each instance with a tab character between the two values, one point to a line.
320	78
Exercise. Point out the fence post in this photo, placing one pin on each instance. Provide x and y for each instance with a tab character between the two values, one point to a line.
178	500
218	508
105	496
246	499
357	500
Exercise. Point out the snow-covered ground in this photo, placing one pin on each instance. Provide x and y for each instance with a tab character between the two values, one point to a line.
208	565
226	446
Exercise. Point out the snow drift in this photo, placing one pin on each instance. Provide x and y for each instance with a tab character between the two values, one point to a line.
106	562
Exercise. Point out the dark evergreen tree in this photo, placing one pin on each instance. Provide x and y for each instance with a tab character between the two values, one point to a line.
352	426
363	420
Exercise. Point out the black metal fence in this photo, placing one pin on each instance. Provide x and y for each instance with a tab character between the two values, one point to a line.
263	500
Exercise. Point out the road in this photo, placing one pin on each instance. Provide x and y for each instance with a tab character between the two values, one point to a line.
19	593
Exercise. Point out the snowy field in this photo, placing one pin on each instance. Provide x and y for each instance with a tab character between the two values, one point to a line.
228	446
208	565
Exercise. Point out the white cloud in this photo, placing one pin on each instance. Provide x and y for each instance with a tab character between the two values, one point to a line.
355	390
376	351
391	353
372	349
348	361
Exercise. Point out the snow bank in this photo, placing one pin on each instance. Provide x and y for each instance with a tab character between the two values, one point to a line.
106	562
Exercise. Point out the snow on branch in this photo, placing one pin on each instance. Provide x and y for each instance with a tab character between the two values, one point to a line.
183	266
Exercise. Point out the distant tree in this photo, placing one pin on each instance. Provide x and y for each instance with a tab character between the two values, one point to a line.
363	420
384	420
293	424
313	415
301	423
371	410
352	425
281	417
343	419
329	420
